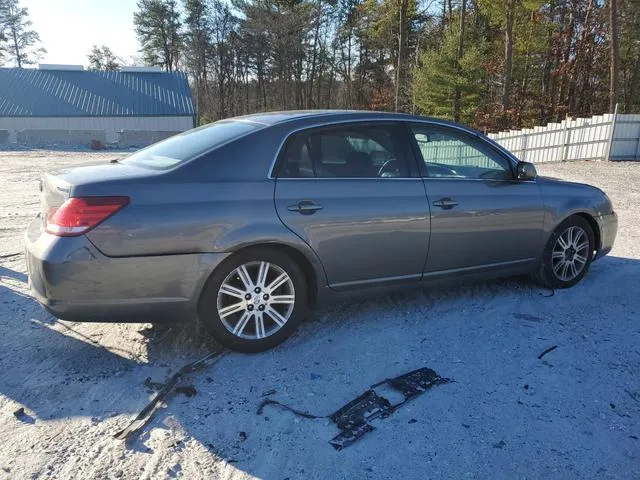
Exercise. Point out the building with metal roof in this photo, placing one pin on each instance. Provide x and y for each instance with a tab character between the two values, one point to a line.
61	104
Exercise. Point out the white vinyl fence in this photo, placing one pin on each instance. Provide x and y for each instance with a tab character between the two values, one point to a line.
454	152
603	137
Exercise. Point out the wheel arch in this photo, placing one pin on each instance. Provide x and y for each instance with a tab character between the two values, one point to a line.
595	228
313	272
310	272
590	219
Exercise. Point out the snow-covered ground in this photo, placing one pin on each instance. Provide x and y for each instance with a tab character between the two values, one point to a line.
573	414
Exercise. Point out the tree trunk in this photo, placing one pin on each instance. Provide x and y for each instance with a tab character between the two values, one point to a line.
14	35
565	76
402	19
613	32
457	105
16	47
508	53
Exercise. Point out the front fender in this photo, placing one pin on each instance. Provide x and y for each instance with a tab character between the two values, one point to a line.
564	199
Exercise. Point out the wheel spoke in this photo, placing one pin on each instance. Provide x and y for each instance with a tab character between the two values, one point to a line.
561	241
578	237
231	291
245	277
557	254
573	269
557	266
242	323
262	274
275	315
580	258
277	282
565	270
282	299
259	319
226	311
582	246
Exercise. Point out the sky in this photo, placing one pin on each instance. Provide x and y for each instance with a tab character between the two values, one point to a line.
69	28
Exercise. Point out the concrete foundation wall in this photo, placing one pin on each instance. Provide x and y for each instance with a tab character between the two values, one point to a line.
137	138
69	130
60	137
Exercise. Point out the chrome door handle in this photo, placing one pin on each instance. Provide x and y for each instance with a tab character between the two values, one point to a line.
445	203
305	207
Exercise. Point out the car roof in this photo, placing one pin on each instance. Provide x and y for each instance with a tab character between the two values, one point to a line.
273	118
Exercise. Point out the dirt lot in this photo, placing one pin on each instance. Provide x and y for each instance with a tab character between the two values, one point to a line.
573	414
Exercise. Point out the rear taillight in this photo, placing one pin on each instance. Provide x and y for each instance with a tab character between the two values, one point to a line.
78	215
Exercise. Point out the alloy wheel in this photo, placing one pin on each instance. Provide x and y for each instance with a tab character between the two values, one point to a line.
256	300
570	253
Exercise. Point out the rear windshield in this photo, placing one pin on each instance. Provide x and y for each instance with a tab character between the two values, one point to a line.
185	146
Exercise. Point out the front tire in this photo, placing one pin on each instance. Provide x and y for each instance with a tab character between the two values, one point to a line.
254	300
568	254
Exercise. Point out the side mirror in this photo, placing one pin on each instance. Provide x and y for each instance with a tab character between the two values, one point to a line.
526	171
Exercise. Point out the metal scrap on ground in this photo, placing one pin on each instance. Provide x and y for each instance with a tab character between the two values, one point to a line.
354	418
550	349
146	414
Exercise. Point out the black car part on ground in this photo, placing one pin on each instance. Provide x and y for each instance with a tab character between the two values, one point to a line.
353	419
550	349
146	414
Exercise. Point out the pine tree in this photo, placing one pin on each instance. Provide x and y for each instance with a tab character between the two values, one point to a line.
448	74
157	25
20	41
197	44
102	58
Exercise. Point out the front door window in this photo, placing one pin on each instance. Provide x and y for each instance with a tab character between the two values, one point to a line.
447	154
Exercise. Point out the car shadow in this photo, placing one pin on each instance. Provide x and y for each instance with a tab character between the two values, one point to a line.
486	335
45	368
60	370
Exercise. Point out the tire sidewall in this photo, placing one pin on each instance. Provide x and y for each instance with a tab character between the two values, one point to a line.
208	309
549	276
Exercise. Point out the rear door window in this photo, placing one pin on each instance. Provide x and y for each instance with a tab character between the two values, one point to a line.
349	151
185	146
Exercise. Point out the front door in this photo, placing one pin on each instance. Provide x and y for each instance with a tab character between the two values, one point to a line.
481	216
352	194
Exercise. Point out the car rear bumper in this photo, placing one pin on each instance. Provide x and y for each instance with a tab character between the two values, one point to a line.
74	281
608	230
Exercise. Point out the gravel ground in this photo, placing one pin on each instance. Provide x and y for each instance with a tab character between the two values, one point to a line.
573	414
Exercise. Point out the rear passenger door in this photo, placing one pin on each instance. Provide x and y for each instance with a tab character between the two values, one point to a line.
353	193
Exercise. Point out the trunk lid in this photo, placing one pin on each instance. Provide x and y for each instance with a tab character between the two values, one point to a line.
59	185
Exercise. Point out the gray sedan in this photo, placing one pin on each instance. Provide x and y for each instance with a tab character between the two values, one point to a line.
247	222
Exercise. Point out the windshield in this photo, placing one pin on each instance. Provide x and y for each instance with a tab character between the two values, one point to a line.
185	146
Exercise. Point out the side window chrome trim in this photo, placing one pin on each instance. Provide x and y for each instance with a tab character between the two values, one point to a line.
282	179
464	179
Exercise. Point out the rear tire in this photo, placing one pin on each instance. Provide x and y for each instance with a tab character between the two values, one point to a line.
254	300
568	254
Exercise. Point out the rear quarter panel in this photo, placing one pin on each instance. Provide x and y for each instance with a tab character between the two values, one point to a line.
218	203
